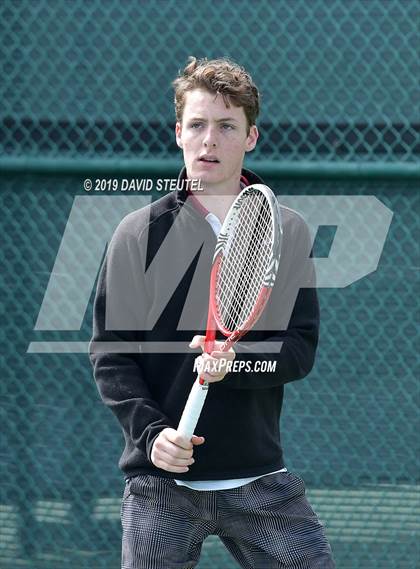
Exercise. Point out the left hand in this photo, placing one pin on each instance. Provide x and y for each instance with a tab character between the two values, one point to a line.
215	364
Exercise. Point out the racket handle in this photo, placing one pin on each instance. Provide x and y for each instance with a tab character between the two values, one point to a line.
192	409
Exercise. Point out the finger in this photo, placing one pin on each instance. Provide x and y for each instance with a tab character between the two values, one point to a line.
210	361
174	460
199	363
216	374
229	355
179	440
168	467
215	366
212	378
197	342
174	450
197	440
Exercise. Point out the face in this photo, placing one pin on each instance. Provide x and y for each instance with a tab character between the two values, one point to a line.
214	140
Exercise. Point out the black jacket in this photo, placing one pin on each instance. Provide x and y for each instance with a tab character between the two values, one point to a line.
143	325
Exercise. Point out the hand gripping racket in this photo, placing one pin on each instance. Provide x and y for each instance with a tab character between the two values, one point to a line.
243	273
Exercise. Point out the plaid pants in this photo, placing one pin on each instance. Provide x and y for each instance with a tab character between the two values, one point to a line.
266	524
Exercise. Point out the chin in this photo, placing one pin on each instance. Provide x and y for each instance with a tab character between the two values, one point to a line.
205	177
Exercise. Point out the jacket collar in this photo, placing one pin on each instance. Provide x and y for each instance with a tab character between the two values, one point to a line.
247	176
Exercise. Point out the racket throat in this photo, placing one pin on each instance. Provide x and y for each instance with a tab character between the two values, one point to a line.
210	332
209	340
208	348
233	338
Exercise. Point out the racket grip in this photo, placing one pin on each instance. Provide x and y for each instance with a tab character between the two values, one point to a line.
192	409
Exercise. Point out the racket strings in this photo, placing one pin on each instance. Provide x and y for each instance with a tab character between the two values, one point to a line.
252	278
243	252
246	285
245	261
250	275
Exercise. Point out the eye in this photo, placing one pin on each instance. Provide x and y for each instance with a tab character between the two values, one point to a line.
196	124
227	126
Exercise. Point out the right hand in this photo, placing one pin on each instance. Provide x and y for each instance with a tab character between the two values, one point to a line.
173	452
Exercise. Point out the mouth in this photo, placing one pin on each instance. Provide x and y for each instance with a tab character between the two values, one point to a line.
208	159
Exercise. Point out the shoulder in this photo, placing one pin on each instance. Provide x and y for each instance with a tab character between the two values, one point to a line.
296	237
133	225
292	221
296	251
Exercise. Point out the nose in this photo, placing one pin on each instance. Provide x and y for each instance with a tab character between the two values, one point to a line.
210	138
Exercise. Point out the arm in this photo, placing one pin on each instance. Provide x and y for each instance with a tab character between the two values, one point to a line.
119	316
297	354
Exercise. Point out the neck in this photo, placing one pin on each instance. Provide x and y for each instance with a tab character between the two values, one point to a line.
218	200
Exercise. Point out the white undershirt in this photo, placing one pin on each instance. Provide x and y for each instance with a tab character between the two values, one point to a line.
222	484
215	223
203	485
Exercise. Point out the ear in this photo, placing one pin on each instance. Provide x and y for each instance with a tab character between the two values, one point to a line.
178	133
252	138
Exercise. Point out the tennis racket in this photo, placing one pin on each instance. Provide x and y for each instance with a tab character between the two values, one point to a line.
243	273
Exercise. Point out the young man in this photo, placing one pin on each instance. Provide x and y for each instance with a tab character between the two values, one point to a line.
232	481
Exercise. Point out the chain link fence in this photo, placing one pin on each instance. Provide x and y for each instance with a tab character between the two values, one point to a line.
84	81
339	80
